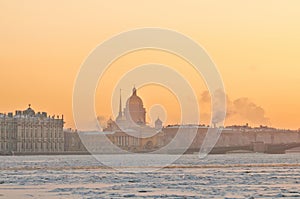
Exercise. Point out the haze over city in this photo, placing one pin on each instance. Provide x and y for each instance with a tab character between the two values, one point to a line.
149	99
255	46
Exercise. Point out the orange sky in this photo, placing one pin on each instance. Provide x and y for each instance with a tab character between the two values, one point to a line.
254	44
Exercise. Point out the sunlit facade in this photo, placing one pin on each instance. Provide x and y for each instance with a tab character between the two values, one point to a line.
30	132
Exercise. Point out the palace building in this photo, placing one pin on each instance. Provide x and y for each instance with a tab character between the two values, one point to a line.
30	132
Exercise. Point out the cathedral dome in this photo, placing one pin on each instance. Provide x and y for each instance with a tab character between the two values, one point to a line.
134	99
135	111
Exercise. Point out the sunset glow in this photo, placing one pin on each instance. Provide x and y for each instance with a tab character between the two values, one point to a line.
255	46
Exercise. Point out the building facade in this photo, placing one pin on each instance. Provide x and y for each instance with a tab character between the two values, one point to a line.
30	132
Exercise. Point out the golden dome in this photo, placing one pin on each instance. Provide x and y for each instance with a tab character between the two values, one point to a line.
135	110
134	99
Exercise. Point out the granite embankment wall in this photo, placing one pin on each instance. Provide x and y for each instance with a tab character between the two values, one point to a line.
257	140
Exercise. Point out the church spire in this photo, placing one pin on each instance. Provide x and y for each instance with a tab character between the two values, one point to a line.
120	105
134	91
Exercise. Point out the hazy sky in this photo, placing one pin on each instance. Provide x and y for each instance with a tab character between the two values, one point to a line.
255	44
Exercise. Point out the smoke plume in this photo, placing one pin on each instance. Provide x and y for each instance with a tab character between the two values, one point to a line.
102	121
239	111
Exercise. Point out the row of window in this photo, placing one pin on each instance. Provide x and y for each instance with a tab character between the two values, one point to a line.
127	140
30	146
36	133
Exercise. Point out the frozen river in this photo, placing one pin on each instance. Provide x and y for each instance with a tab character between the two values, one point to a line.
216	176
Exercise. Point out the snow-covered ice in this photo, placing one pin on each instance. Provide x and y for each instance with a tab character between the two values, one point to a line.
217	176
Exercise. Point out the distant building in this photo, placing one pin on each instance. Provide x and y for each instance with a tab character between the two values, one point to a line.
129	131
73	142
158	124
134	114
30	132
134	110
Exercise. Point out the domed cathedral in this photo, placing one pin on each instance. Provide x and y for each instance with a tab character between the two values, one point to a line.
132	120
134	110
134	113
